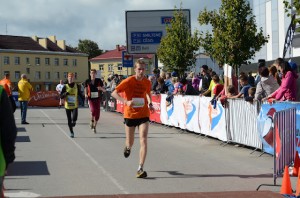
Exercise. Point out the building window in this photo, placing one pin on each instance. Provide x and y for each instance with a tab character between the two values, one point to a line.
75	75
119	67
65	75
101	67
56	75
74	61
17	60
27	70
110	67
27	61
56	61
47	87
37	61
65	62
37	75
47	75
6	72
47	61
6	60
17	75
38	87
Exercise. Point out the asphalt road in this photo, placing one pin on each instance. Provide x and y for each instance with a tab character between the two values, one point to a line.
50	163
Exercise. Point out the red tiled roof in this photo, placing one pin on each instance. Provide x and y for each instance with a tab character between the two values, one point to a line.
117	54
27	43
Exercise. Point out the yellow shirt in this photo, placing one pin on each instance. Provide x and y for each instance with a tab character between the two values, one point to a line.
24	89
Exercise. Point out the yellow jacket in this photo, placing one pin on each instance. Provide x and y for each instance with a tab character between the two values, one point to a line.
24	89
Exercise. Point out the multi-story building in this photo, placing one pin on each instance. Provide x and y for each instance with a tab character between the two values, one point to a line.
44	60
110	63
271	17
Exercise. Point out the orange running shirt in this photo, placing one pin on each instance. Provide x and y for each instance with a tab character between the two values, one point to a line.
134	88
6	83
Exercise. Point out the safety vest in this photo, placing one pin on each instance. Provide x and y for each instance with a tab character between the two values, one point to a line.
71	101
2	159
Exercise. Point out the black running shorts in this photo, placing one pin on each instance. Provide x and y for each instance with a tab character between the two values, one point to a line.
135	122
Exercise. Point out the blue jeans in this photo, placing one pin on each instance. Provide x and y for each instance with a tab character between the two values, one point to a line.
23	105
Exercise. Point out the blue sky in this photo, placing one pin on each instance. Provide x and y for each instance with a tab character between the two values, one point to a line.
102	21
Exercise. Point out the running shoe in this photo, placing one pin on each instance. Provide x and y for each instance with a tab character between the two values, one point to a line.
141	173
72	134
94	129
126	152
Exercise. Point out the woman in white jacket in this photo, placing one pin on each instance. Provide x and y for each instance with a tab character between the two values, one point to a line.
266	85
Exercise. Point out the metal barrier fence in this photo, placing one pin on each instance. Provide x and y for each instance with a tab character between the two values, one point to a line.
284	138
241	123
283	133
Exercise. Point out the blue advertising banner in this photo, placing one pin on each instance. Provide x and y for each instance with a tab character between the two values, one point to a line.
264	123
127	59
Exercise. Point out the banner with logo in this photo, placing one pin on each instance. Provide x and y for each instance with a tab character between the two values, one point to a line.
44	99
212	120
265	124
155	116
195	114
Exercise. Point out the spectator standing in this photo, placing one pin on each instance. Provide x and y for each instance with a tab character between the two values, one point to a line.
206	78
8	133
245	86
295	69
59	88
273	72
6	83
24	89
266	86
251	79
288	87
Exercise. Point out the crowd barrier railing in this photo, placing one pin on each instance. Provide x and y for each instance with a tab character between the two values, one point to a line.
242	123
280	136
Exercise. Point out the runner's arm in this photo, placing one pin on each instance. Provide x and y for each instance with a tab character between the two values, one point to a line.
117	96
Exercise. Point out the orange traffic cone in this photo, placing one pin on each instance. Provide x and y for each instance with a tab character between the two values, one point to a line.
286	188
298	185
296	164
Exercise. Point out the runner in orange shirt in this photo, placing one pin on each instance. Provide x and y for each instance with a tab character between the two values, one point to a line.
137	102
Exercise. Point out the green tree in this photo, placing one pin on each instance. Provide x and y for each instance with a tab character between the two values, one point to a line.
177	49
295	5
89	47
234	39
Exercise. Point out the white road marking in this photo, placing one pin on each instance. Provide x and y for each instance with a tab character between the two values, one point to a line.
110	177
21	194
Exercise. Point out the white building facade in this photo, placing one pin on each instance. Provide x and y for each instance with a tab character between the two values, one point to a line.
271	16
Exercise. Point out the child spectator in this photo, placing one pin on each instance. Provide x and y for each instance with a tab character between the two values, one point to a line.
218	87
245	86
231	90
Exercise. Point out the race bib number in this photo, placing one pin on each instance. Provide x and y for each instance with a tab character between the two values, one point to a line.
94	94
138	102
71	100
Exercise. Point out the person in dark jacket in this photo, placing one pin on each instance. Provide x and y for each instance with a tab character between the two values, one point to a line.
8	133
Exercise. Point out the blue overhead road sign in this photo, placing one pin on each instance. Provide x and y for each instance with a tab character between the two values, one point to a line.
127	59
